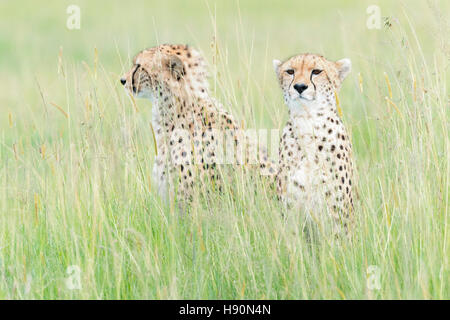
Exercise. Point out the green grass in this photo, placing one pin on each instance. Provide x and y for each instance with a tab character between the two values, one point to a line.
76	190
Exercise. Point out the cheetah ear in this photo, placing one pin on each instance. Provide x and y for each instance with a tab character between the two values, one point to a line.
176	67
344	67
276	65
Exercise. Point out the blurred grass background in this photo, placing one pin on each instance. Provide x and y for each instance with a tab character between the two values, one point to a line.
76	156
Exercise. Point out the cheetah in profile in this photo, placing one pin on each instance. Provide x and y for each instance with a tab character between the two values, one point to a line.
191	128
315	156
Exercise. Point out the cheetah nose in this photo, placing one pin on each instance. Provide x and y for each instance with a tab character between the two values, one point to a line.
300	87
123	81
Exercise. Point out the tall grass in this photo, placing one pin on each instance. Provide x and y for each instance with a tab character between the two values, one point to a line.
76	156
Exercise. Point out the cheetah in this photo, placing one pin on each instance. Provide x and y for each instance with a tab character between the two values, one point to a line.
190	126
315	172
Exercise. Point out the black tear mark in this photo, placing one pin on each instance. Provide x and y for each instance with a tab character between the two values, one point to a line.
310	79
132	77
290	84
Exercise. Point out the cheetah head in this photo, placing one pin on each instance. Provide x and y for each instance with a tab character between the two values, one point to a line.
308	80
165	70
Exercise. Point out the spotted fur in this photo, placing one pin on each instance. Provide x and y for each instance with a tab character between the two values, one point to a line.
190	126
315	161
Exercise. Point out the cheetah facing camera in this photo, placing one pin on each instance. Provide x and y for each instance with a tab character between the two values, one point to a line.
191	128
315	161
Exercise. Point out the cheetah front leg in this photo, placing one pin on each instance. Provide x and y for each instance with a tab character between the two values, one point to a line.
160	178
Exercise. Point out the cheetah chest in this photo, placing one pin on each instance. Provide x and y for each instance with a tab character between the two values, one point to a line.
312	154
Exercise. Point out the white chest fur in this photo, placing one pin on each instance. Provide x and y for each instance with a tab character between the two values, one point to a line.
311	148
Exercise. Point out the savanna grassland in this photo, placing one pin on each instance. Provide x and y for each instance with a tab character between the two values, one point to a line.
76	197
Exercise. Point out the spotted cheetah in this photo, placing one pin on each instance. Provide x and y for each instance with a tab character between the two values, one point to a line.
315	153
192	130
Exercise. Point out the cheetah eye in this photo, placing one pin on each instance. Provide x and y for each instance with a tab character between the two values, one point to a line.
316	71
290	71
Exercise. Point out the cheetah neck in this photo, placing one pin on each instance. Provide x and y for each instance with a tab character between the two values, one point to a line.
176	111
177	105
312	111
314	121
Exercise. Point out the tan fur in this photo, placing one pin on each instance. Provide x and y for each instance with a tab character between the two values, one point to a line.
315	164
189	125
